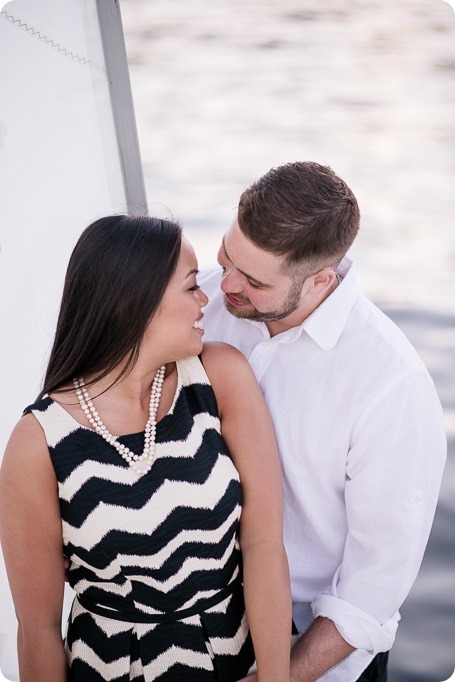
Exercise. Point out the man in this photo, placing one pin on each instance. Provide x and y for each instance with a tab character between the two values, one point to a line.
357	418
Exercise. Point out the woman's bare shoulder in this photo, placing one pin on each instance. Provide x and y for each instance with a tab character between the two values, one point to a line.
229	372
217	355
27	428
27	445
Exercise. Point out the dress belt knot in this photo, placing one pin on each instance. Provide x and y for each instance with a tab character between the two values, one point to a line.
138	616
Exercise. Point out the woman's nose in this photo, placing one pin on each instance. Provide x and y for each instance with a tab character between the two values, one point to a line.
203	298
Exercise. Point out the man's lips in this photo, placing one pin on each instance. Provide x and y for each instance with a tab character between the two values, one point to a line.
237	302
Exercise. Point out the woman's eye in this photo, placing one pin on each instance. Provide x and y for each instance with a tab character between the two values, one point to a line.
195	288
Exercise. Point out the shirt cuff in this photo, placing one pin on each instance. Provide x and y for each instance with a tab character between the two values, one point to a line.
357	627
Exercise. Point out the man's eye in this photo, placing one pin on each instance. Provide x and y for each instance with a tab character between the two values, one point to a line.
254	285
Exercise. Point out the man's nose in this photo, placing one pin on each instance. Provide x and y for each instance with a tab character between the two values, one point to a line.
231	282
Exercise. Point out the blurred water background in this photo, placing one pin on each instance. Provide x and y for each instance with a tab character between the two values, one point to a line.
226	89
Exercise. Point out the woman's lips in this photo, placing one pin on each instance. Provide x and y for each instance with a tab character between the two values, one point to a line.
198	325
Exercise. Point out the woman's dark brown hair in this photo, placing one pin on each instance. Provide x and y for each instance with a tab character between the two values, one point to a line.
116	278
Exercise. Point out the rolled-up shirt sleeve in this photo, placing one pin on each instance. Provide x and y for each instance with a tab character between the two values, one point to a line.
357	627
393	475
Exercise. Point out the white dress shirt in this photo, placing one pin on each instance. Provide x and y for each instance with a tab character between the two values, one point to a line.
361	438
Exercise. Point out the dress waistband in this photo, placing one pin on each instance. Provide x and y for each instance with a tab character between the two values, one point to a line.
141	617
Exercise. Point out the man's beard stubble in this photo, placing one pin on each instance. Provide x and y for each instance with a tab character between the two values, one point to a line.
291	304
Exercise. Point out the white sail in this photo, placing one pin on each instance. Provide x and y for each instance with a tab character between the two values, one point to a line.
60	169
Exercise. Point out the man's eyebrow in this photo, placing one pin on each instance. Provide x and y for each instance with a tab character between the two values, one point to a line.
249	277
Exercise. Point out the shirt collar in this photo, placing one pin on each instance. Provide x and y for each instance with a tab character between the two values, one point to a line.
325	325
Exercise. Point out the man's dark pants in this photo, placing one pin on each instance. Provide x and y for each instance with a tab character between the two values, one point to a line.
377	670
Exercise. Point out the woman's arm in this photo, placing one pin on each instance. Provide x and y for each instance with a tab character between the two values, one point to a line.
247	429
31	538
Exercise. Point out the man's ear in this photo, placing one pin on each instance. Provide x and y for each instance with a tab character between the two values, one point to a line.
322	281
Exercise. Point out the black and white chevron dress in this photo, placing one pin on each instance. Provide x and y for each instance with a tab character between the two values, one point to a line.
155	560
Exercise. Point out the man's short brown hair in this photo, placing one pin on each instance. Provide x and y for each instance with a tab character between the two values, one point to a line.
301	210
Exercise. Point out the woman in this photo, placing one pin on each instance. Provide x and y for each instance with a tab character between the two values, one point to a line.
150	519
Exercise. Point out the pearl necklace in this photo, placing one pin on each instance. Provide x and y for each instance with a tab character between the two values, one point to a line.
140	464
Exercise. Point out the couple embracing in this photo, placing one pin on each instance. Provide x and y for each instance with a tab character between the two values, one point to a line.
155	459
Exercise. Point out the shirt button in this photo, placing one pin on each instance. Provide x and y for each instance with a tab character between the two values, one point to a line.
417	497
266	344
